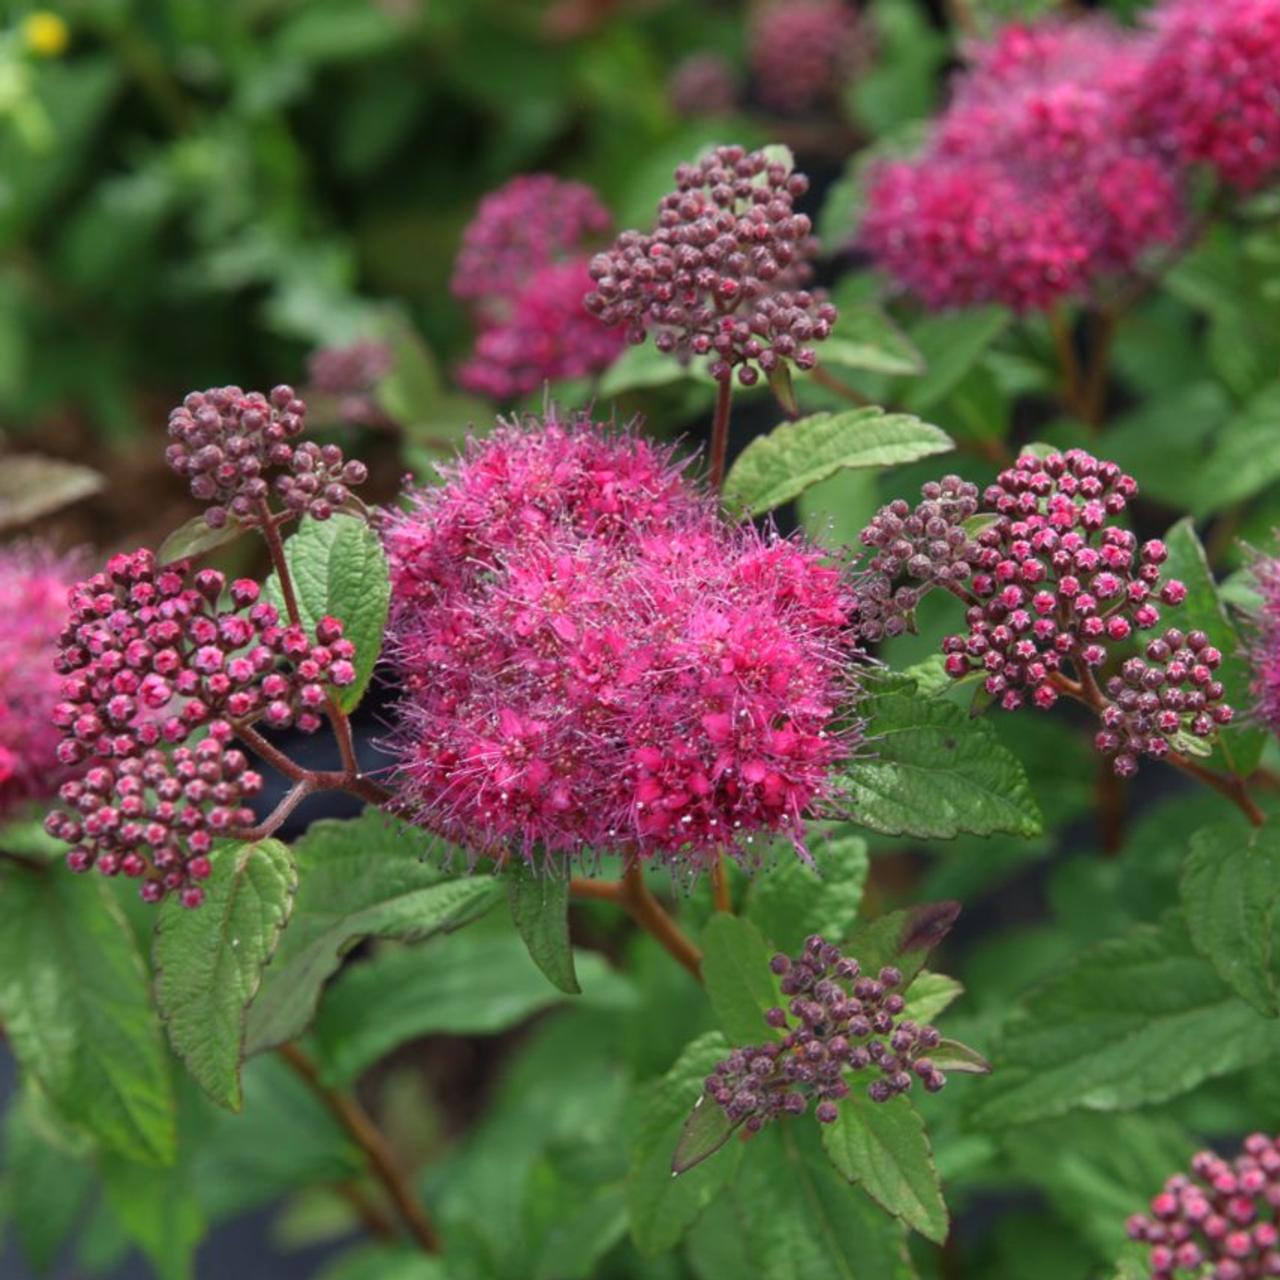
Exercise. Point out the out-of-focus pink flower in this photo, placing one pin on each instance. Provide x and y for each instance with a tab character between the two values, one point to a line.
1035	182
592	659
549	335
531	222
802	52
703	84
1211	93
1264	649
33	611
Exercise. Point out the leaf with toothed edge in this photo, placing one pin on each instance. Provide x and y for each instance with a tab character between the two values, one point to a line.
540	910
706	1130
196	537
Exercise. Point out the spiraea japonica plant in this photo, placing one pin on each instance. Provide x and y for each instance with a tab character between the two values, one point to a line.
529	831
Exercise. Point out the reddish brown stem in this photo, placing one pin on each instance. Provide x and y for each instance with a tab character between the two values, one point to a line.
275	546
838	386
720	884
632	894
360	1127
720	435
1073	394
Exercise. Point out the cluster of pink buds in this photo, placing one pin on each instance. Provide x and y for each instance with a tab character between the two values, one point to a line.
1209	92
227	442
837	1020
803	52
927	545
593	659
1219	1223
351	375
148	660
723	273
1056	583
1037	182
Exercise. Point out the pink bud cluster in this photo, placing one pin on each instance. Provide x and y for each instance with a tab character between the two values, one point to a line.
723	273
534	220
33	610
1211	91
351	375
548	335
1264	646
1056	584
149	661
1037	181
1219	1223
227	442
592	660
803	52
838	1020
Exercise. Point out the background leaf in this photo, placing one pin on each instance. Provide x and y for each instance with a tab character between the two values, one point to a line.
739	982
540	910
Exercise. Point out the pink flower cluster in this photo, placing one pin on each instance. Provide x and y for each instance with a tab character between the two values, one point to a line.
523	266
1211	90
148	660
1038	180
1219	1223
548	335
802	52
703	84
1264	648
592	659
33	610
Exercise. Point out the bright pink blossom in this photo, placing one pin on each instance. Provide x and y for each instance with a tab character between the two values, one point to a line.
591	658
1211	93
33	611
532	221
548	335
1035	182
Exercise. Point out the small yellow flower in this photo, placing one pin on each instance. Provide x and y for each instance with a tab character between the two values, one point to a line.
45	34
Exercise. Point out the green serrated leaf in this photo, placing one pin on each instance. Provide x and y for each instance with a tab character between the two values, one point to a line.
209	962
75	1003
1246	455
368	877
930	995
739	982
1230	888
194	538
883	1148
159	1212
540	910
791	900
662	1206
864	337
462	985
1135	1020
1239	748
902	939
776	468
936	772
339	570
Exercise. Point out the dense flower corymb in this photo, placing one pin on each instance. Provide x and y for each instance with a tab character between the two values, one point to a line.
723	273
592	659
837	1020
1037	180
149	660
1219	1223
1211	93
33	611
802	52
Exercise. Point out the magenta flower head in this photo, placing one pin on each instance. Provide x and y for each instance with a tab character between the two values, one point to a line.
227	442
723	273
1219	1221
592	659
1056	583
155	671
531	222
1209	95
548	335
33	610
803	52
1037	181
1264	646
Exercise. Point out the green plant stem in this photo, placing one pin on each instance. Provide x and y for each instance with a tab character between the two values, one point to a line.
632	894
720	435
377	1151
1073	394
